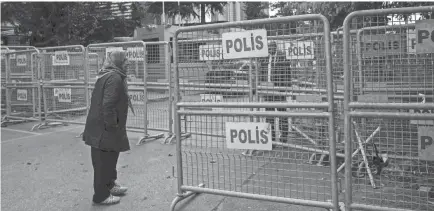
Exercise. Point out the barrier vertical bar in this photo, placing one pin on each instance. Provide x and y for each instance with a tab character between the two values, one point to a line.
86	79
347	120
331	110
180	194
169	76
34	79
251	87
8	91
39	83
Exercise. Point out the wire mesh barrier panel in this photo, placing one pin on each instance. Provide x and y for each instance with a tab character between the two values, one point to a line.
159	72
257	100
63	71
389	125
21	86
147	74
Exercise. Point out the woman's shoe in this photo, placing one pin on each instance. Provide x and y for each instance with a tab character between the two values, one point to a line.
110	200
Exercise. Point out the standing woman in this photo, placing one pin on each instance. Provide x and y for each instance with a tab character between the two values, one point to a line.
105	130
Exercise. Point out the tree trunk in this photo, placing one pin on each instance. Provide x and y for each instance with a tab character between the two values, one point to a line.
202	13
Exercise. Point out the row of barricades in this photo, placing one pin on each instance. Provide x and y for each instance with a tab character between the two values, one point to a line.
374	83
253	116
53	85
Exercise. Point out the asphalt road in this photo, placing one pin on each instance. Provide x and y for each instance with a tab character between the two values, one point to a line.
50	169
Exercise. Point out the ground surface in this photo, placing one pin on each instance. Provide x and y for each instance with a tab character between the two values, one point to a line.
50	169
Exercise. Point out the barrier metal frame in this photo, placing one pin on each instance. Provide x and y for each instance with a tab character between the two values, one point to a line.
147	137
350	106
3	86
186	191
9	48
45	122
9	118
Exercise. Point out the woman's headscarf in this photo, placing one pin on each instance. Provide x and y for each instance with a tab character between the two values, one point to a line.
115	63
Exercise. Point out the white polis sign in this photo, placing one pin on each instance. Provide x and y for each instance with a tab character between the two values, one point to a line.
299	50
210	52
64	95
21	60
248	135
246	44
135	54
61	58
426	143
425	36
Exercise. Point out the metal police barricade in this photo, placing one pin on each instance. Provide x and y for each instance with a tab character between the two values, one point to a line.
146	73
22	92
9	49
389	117
211	159
3	80
63	82
159	92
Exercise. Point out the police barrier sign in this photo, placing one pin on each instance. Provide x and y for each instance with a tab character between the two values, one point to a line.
425	36
299	50
63	94
426	143
21	94
137	97
246	44
210	52
210	98
381	45
21	60
248	135
60	58
135	54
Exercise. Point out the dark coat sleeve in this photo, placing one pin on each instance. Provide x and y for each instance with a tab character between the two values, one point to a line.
111	97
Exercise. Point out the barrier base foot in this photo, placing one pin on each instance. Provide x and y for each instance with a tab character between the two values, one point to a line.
168	139
341	206
5	122
35	126
80	135
183	196
50	124
172	137
147	138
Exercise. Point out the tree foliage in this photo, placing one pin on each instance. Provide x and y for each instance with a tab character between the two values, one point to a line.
67	23
185	9
254	10
337	11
